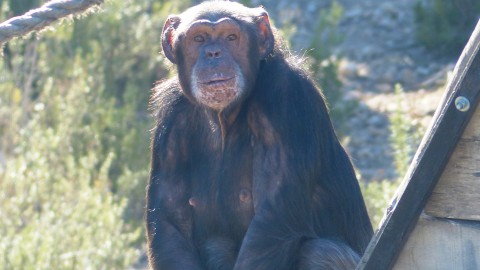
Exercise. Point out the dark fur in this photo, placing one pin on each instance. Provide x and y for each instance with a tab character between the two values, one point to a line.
301	205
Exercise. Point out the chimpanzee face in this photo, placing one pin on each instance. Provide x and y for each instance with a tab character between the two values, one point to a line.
217	57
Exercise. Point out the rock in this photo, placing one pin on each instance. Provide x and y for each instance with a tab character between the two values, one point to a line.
422	70
352	13
363	71
384	87
389	9
311	7
3	161
389	75
368	52
376	121
347	68
408	77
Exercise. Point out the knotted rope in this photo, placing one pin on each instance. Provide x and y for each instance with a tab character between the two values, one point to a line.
37	19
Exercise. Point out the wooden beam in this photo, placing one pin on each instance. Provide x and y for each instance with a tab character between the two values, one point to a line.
430	160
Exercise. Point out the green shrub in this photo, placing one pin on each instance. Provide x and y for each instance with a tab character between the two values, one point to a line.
57	208
378	195
445	25
404	136
324	66
326	37
404	139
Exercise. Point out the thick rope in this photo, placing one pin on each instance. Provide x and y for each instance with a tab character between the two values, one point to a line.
37	19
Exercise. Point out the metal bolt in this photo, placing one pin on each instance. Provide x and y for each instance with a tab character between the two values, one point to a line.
462	104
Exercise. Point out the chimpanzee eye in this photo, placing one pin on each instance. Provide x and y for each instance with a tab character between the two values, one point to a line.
231	37
199	38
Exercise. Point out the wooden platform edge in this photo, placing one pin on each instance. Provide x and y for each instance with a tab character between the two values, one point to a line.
430	159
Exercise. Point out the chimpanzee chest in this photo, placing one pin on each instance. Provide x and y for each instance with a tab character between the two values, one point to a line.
222	213
222	193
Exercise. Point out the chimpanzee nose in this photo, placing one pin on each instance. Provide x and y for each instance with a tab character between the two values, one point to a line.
213	52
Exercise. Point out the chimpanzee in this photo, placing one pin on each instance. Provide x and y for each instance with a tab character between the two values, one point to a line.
246	171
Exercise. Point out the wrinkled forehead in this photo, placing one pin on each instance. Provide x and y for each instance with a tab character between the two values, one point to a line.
214	12
207	25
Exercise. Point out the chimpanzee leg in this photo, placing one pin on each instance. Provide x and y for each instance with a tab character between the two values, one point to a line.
322	254
220	253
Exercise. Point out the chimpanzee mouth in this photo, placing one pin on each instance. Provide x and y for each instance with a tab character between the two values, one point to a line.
217	93
218	81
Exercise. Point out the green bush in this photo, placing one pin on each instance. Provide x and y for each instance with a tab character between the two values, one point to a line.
404	136
378	195
445	25
58	211
324	66
404	139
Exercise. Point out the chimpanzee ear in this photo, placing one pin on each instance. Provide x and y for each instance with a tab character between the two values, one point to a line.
266	40
168	37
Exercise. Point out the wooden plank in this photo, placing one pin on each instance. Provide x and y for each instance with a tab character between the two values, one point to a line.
457	194
429	161
441	244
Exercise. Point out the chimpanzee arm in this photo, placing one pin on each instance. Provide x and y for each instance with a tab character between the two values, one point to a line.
168	215
304	183
291	211
282	220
